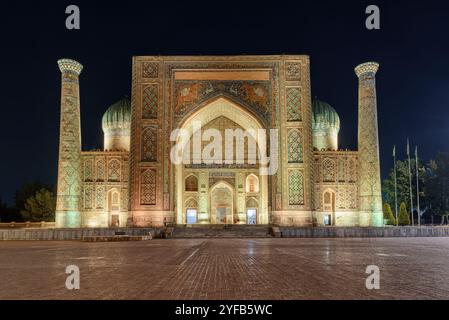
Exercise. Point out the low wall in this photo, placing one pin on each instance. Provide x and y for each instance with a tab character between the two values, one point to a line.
363	232
43	224
287	232
73	234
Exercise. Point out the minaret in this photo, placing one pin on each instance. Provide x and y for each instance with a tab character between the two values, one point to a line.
370	197
68	199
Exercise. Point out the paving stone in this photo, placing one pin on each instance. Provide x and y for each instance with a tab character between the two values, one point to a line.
263	268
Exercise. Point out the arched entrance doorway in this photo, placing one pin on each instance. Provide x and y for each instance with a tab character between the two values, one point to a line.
251	211
114	208
222	203
191	211
218	210
329	207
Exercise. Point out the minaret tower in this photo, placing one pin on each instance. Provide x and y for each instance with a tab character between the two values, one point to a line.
68	199
370	197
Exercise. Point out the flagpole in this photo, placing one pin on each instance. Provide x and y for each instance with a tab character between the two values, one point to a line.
395	187
417	186
410	182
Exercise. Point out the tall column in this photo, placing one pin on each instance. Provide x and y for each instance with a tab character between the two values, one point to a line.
370	197
68	199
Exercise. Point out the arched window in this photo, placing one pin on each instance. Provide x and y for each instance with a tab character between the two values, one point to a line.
252	203
252	184
328	170
341	169
88	170
101	170
100	194
88	193
352	173
329	201
191	183
114	170
329	207
115	201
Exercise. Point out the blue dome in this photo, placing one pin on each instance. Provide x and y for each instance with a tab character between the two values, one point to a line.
118	115
324	116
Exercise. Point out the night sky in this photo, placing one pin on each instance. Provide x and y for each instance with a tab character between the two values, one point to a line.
412	48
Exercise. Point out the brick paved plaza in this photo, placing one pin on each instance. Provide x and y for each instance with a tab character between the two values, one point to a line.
227	269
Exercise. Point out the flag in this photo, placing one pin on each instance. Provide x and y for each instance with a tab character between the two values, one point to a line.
416	152
408	148
394	151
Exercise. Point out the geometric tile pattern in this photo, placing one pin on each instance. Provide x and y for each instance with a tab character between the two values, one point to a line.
292	71
293	101
114	170
296	188
341	169
149	144
148	187
88	170
295	154
101	169
149	102
149	70
328	170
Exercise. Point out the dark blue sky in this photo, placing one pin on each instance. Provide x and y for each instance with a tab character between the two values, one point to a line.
412	48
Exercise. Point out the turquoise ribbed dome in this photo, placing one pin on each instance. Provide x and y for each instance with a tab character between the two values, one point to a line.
324	116
118	116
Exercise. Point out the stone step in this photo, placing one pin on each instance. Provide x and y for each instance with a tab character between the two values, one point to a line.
115	238
221	231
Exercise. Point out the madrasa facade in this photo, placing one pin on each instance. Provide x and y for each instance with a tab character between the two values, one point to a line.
135	182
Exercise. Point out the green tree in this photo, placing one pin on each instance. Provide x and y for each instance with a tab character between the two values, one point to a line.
26	191
388	215
40	207
404	217
437	186
403	183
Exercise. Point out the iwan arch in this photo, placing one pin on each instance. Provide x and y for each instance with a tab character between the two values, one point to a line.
222	194
133	182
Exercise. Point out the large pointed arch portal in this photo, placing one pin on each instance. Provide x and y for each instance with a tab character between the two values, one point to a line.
234	178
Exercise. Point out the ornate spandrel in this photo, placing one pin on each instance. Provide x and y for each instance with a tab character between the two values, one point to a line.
256	95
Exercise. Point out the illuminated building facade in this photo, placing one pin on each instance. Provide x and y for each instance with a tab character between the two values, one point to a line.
134	182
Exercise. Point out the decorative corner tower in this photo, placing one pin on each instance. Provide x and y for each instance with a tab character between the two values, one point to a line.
68	199
370	197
